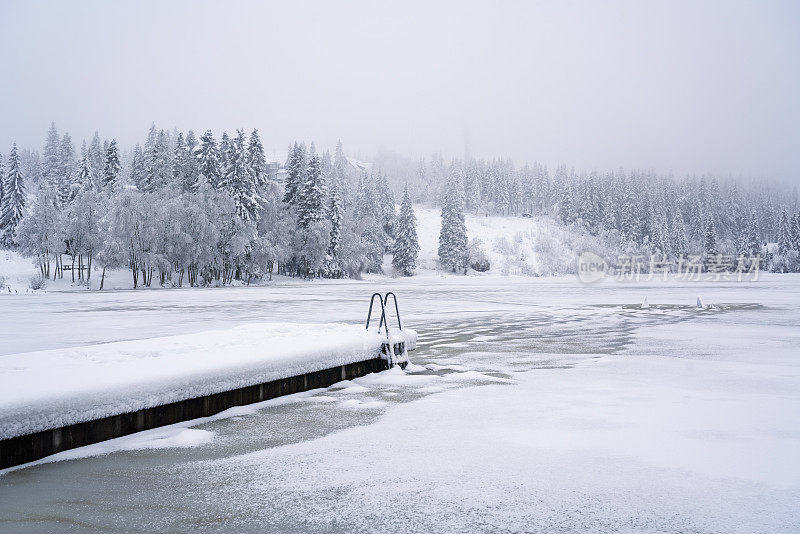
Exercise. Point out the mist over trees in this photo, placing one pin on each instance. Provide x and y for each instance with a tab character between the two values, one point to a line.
631	213
187	209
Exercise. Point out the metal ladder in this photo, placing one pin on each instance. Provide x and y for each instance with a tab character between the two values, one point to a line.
392	352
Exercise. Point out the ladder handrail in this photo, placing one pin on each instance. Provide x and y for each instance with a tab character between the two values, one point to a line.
383	313
396	308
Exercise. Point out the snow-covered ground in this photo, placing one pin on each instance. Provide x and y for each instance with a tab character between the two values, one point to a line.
534	404
513	245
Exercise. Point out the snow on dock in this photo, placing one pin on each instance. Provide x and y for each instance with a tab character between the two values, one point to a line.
56	388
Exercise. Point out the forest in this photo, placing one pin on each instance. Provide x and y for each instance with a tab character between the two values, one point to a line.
191	210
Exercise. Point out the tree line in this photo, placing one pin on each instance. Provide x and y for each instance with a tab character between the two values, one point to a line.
198	211
629	212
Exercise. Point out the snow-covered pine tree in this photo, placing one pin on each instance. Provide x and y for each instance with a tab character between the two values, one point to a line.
237	180
83	177
386	209
96	157
680	246
336	216
609	213
795	232
66	157
112	165
661	244
472	187
51	161
363	204
311	194
181	159
326	164
710	249
191	164
150	152
453	235
753	240
339	175
627	221
733	212
406	244
295	171
256	161
366	211
784	234
645	225
13	206
161	162
372	241
138	175
209	160
2	185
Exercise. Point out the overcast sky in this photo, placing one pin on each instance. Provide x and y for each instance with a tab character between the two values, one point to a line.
683	86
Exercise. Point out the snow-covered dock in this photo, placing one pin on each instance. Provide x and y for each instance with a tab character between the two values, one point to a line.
59	399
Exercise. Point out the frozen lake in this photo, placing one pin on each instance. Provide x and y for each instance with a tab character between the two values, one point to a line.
532	404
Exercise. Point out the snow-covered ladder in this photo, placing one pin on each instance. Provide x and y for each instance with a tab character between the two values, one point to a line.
394	348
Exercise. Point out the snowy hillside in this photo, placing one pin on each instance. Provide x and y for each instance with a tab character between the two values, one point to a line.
513	245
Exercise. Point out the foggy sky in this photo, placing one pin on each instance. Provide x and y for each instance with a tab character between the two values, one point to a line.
689	87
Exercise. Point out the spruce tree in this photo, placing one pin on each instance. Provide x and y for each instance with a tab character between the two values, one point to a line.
366	210
180	162
753	239
66	156
2	186
710	249
256	161
406	244
453	235
96	157
627	218
13	206
295	171
363	204
138	173
51	163
339	174
784	234
191	165
795	232
83	177
335	215
680	247
209	160
150	161
386	209
160	160
237	179
112	165
310	198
